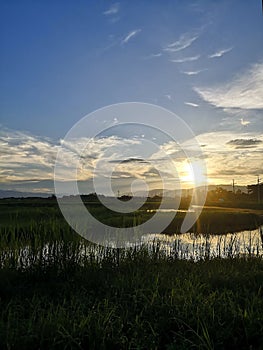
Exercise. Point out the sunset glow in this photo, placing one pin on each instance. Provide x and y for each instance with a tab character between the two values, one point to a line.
204	68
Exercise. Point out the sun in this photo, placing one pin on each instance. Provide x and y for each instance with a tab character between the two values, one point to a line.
194	173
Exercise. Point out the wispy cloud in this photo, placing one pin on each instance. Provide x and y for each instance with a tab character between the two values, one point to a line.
244	122
195	72
182	43
130	35
186	59
159	54
24	156
168	96
153	55
220	53
27	158
191	104
113	9
244	92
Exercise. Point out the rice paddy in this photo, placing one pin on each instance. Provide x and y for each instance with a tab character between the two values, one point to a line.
59	291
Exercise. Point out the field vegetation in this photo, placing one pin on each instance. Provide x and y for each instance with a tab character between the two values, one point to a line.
59	291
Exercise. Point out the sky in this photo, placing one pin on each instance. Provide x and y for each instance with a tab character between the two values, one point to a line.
62	60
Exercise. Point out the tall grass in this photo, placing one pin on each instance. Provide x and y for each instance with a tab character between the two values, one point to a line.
131	300
59	291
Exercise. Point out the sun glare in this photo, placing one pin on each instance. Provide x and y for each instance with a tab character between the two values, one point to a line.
194	174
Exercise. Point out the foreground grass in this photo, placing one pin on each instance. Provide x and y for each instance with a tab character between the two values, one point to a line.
57	291
139	300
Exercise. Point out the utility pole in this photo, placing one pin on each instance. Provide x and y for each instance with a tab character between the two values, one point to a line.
233	186
258	189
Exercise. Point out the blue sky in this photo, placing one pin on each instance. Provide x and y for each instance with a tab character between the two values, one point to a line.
61	60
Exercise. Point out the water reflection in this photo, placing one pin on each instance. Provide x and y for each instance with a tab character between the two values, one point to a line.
170	210
198	246
179	246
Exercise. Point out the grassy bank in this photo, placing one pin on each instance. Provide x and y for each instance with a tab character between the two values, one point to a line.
57	291
136	301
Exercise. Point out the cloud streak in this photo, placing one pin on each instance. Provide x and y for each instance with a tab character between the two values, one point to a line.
220	53
130	35
195	72
182	43
191	104
245	91
153	55
186	59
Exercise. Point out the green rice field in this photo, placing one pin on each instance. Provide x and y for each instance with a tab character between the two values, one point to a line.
58	291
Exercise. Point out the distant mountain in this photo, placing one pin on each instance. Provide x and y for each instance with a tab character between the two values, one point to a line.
152	193
17	194
186	192
158	192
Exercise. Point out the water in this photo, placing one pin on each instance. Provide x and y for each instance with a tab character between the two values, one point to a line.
170	210
199	246
182	246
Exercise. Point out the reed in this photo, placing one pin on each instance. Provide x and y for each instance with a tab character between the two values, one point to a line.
59	291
